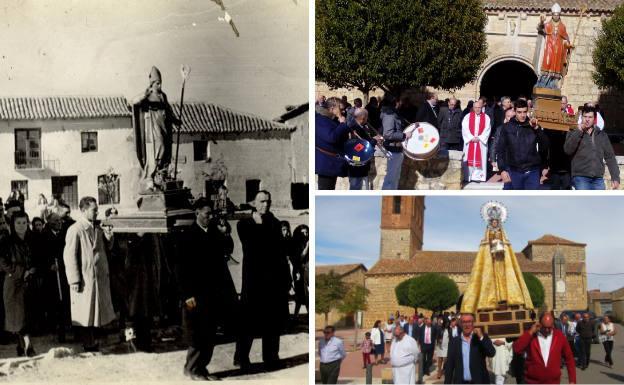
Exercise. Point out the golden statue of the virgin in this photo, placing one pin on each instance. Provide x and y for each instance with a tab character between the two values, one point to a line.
496	278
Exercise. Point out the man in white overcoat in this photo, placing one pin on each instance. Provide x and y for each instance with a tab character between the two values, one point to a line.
476	132
86	267
403	357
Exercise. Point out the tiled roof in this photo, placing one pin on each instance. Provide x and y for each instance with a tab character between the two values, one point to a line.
455	262
211	118
338	269
567	6
550	239
595	295
63	107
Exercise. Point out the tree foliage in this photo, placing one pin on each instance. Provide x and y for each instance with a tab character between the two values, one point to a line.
609	52
397	44
430	291
536	289
354	300
330	290
401	291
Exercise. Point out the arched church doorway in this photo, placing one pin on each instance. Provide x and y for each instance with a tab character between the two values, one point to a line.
508	78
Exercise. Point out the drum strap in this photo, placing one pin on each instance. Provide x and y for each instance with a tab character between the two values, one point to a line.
327	152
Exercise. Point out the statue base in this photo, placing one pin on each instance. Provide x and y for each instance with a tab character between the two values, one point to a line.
158	212
505	321
548	110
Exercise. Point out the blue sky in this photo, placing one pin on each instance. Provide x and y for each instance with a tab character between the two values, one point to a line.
347	228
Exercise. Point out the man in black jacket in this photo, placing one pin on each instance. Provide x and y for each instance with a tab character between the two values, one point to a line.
465	363
589	148
266	281
522	150
585	329
449	122
208	292
428	111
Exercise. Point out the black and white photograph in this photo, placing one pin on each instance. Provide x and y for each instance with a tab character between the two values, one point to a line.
154	187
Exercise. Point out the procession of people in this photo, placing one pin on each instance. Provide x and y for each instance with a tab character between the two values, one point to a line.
80	276
537	356
500	142
517	142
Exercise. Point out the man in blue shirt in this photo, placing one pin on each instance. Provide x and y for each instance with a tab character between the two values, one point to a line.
331	351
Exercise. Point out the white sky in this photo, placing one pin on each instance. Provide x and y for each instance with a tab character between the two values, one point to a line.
347	229
95	47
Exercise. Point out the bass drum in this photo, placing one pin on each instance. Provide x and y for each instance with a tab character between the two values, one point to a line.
424	143
358	152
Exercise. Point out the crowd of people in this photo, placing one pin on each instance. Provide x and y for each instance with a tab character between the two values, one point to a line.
64	273
467	355
500	140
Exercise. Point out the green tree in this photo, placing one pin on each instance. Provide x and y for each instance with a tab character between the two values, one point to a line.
330	290
609	52
430	291
536	289
401	291
398	44
353	302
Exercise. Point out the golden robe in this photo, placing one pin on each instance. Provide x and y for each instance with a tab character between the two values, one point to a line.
495	278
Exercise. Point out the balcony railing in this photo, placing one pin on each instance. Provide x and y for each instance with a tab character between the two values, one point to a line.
28	160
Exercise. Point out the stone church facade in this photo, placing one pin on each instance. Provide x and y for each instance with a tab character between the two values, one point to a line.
512	38
558	263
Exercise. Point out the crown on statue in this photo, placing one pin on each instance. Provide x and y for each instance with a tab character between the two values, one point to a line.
494	210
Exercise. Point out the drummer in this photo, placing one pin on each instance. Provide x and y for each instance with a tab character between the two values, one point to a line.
393	136
331	132
358	175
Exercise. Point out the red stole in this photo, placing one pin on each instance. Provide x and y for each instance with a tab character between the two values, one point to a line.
474	148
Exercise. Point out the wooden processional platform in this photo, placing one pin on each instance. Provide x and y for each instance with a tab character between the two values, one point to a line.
505	321
548	110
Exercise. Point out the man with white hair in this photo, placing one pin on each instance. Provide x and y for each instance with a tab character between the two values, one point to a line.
358	175
404	353
556	46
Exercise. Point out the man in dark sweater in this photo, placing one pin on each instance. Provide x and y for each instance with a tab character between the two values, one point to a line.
589	147
585	329
522	150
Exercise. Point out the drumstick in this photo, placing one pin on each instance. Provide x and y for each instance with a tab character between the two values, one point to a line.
381	148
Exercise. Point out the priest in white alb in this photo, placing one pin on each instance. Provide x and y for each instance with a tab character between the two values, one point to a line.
403	357
476	132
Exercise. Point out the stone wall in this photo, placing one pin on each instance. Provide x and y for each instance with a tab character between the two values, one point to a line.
442	172
546	252
382	298
395	243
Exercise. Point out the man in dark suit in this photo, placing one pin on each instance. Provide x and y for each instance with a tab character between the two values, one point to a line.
208	291
410	327
428	337
429	110
465	363
266	281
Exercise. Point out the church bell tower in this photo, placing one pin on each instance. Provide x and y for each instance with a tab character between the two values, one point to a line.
402	221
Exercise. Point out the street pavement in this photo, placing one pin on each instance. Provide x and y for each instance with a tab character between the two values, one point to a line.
351	371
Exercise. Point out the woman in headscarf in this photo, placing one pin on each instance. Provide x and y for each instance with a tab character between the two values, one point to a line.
17	262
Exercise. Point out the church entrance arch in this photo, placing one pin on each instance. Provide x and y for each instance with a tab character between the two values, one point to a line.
507	77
